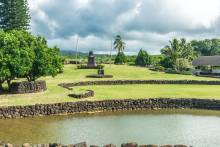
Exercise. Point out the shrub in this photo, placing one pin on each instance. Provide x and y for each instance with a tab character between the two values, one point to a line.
100	66
120	58
166	63
171	71
182	65
157	68
83	66
143	58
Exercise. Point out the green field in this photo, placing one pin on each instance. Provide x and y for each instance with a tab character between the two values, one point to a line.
56	94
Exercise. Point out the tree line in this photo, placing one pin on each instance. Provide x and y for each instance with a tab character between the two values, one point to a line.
177	55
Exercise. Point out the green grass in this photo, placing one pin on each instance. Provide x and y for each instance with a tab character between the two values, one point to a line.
152	91
56	94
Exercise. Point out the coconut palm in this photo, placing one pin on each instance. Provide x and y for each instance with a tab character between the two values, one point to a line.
178	49
119	44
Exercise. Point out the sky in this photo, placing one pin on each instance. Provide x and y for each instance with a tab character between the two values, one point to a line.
146	24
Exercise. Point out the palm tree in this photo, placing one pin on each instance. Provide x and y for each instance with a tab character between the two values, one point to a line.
178	49
119	44
172	51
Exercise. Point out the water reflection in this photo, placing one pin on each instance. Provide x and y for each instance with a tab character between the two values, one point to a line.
191	127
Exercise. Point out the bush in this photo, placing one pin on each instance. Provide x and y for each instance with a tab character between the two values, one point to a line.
143	58
171	71
120	58
83	66
157	68
100	66
166	63
182	65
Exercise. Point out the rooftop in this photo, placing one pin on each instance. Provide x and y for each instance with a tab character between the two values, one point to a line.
207	60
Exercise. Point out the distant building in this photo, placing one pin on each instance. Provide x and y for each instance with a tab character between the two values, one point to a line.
207	66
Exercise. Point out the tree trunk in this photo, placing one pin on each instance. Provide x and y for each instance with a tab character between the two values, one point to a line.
1	88
28	78
9	83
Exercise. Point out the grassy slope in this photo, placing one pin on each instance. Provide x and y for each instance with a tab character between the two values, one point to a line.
57	94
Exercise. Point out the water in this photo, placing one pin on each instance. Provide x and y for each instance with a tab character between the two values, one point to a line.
196	128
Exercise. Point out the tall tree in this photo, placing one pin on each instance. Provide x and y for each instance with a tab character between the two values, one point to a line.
119	44
207	47
143	58
14	14
178	49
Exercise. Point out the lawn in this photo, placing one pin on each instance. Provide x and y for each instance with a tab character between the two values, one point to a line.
56	94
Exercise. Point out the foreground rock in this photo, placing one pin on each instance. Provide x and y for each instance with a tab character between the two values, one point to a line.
83	144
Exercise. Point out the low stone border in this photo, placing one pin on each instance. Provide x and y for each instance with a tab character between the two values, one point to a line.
99	76
28	87
107	105
87	94
84	144
129	82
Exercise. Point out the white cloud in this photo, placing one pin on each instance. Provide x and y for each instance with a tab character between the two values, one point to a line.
147	24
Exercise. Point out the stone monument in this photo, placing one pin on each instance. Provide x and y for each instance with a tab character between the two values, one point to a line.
91	60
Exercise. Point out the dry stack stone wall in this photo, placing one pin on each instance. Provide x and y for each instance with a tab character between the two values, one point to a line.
107	105
129	82
88	93
28	87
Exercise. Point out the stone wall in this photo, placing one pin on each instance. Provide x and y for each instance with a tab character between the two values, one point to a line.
128	82
88	93
84	144
28	87
107	105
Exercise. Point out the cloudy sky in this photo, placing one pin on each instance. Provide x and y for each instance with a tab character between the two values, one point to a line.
147	24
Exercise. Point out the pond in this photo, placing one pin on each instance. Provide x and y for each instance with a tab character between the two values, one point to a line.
191	127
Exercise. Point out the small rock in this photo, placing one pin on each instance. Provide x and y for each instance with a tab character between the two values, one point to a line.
180	145
94	146
55	145
26	145
148	145
109	145
132	144
81	144
8	145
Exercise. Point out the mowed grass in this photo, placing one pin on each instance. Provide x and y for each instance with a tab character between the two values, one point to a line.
56	94
152	91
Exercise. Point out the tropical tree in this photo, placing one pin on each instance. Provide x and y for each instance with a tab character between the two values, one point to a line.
16	56
176	50
47	61
120	58
207	47
24	55
119	45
